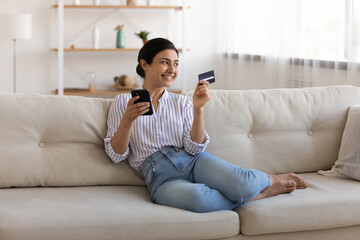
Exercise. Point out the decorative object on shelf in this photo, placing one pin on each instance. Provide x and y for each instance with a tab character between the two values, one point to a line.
124	82
72	44
120	41
131	2
91	81
95	37
76	2
15	27
148	2
97	2
143	35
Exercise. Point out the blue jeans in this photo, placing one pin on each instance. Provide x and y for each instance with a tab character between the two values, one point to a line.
200	183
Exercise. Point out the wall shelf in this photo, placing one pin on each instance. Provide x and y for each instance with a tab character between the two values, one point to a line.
100	50
85	92
119	7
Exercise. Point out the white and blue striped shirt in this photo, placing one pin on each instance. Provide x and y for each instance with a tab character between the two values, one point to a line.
170	125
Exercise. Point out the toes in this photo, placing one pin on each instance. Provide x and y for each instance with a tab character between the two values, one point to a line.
292	186
302	185
288	186
292	183
300	182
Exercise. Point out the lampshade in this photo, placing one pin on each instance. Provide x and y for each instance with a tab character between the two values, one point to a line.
16	26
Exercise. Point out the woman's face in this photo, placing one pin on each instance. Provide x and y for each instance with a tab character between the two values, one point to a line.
163	70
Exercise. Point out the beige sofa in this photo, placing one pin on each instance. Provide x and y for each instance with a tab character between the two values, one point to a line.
57	182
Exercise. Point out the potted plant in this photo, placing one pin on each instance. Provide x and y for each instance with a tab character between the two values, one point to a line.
143	35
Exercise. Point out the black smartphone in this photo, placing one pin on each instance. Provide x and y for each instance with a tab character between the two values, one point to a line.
144	97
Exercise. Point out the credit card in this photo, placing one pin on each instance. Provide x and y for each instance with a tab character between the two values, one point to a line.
208	76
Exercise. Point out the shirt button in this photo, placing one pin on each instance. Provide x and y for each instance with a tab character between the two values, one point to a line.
310	132
250	135
41	144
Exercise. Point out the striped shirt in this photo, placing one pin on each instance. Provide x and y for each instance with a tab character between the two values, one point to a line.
170	125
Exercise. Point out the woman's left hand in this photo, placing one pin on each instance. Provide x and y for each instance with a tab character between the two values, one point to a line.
201	94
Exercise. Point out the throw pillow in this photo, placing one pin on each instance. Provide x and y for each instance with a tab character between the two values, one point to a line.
348	163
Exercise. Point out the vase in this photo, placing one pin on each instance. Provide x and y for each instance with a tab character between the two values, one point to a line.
120	41
95	37
76	2
131	2
97	2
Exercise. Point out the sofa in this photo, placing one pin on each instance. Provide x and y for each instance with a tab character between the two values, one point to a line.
57	183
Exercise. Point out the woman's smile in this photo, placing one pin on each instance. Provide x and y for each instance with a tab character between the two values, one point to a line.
168	77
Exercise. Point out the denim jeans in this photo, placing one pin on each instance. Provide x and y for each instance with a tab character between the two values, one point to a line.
200	183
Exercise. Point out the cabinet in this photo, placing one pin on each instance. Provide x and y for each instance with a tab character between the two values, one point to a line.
62	50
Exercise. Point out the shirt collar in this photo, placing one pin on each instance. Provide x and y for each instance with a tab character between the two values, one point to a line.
164	96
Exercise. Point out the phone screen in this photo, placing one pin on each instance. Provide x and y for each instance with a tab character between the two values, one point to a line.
144	97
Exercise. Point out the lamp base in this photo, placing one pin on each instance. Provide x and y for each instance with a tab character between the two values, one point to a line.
14	86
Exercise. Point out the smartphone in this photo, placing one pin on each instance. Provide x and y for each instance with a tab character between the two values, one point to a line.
144	97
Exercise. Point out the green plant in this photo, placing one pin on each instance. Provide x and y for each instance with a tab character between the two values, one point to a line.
143	35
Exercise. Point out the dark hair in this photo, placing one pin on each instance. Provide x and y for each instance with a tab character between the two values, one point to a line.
149	51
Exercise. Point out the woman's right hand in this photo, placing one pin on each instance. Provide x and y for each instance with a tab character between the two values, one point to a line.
134	110
120	140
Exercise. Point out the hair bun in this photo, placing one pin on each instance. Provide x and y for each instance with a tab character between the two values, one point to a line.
140	71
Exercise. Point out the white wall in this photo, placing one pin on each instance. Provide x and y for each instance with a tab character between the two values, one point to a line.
35	62
37	65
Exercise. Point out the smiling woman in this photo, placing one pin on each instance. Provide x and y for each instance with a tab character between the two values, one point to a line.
168	147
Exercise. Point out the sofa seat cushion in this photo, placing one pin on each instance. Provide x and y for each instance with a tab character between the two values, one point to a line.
326	203
107	212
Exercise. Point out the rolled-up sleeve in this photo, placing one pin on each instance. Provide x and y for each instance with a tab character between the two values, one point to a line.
115	157
194	148
113	121
190	146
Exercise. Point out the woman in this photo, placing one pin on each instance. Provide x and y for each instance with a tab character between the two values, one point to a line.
168	146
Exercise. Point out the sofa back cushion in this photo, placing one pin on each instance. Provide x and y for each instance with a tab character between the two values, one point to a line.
56	141
279	130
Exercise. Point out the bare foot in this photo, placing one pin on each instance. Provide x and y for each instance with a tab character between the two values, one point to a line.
277	187
300	182
282	183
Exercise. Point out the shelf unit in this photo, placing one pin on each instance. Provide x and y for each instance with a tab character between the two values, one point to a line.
61	50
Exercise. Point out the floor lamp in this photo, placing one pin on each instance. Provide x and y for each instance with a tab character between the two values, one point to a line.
15	27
